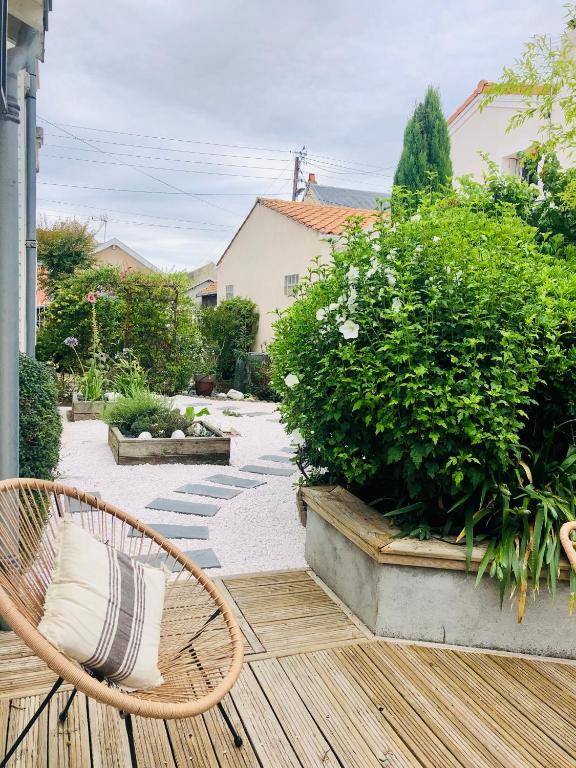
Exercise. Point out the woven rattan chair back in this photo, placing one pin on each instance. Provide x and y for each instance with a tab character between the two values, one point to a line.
201	646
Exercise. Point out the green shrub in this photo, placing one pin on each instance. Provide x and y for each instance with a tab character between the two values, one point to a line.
144	411
149	314
433	366
230	329
40	423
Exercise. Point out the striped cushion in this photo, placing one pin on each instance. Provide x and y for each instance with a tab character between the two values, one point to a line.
103	608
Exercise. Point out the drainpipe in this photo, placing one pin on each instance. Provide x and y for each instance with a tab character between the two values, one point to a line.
20	57
31	245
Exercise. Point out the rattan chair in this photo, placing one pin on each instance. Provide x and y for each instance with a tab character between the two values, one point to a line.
568	545
201	647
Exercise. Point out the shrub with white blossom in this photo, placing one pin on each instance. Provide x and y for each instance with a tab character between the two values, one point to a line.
432	366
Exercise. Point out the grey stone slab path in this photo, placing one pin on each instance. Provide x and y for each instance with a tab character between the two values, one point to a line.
255	413
199	489
176	531
77	506
183	507
289	449
205	558
239	482
272	457
281	471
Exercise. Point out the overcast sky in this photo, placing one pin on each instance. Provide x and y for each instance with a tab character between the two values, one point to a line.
212	97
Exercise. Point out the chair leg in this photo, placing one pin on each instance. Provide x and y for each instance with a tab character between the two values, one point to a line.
31	722
130	733
233	731
64	714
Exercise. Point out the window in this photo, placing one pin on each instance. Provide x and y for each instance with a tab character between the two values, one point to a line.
229	291
290	283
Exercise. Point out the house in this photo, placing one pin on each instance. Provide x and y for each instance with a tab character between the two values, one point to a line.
23	24
474	132
203	282
274	248
349	198
118	254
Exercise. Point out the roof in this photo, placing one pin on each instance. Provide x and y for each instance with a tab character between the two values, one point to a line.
350	198
209	290
119	244
484	87
326	219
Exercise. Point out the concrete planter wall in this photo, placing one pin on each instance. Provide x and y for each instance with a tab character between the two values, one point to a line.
165	450
83	410
420	590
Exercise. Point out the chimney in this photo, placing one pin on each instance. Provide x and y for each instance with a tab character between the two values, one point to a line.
311	178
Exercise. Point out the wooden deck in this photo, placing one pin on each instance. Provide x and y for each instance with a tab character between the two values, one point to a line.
318	690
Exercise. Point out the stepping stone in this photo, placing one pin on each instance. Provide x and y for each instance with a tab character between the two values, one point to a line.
205	558
226	407
183	507
256	413
208	490
77	506
289	449
239	482
282	471
176	531
270	457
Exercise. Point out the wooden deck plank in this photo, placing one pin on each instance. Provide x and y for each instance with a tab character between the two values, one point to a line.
68	742
33	752
305	737
490	707
539	709
251	642
109	739
228	755
191	743
152	743
346	740
259	719
415	716
267	577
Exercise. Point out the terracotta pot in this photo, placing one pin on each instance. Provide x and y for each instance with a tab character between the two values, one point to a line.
204	385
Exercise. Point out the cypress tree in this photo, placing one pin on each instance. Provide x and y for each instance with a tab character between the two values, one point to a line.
425	160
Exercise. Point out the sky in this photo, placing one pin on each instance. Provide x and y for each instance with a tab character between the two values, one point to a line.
164	119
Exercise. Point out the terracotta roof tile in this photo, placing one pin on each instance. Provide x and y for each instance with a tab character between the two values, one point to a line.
209	290
484	86
327	219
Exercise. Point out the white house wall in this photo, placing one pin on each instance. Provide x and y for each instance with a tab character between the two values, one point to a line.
268	247
474	132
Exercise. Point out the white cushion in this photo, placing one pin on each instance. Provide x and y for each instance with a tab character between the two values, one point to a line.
103	608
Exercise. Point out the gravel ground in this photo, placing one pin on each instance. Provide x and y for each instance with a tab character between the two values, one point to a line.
258	530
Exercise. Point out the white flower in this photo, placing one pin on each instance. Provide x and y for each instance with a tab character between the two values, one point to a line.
291	380
374	264
393	228
320	314
416	217
458	276
353	274
390	276
396	305
418	248
349	329
435	239
332	307
352	298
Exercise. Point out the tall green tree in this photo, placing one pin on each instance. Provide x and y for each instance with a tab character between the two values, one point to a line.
63	247
425	161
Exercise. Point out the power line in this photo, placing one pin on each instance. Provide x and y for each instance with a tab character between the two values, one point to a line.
159	191
136	223
130	213
168	159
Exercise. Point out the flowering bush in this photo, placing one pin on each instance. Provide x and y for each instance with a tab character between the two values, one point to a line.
432	364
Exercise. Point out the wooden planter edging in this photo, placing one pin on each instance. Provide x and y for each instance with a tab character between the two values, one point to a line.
375	535
83	410
166	450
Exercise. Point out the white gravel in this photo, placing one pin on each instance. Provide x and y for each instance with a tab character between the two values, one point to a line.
258	530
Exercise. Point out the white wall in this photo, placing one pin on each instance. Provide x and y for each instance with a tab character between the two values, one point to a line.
268	247
473	132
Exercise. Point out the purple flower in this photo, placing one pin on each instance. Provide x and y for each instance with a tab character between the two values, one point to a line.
71	341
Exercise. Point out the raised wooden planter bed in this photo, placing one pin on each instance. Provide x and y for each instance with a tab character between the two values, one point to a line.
420	590
83	410
165	450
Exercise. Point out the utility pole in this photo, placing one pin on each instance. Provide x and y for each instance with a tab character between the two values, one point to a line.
299	159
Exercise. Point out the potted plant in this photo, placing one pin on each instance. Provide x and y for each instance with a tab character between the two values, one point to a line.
205	378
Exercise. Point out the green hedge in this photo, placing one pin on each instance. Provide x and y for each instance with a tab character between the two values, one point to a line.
40	423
